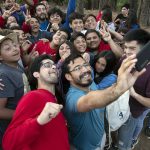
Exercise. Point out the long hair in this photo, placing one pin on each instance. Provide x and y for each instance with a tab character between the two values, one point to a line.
110	64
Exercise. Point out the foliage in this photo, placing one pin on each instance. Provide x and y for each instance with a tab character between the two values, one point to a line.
120	3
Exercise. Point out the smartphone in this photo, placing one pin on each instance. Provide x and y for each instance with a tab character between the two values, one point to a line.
143	57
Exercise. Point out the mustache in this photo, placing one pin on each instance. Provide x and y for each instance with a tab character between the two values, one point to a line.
82	75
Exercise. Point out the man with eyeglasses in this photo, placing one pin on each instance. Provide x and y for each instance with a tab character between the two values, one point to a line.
84	105
38	123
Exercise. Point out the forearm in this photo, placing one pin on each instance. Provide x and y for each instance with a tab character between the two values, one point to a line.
117	35
6	113
99	98
115	48
141	99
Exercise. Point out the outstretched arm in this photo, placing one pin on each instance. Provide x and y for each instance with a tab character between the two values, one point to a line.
101	98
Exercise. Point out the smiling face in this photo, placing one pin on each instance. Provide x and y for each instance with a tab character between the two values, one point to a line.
80	44
80	73
8	4
77	25
9	52
64	49
22	37
41	12
59	37
10	20
34	25
100	65
90	23
55	18
93	40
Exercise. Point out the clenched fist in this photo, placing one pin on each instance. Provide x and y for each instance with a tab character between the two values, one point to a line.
50	111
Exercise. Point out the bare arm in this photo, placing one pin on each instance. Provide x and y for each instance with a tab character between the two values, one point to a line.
5	113
117	50
97	99
117	35
101	98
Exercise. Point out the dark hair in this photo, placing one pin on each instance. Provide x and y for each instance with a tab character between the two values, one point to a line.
91	31
76	35
131	19
38	4
139	35
35	67
123	30
107	15
66	69
66	31
74	16
87	16
110	64
127	6
54	11
72	49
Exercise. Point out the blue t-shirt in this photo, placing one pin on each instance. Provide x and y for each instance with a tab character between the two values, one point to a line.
86	129
44	25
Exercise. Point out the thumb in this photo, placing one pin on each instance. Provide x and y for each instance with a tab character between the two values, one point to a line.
60	106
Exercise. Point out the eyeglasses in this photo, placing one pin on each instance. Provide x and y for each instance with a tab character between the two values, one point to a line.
47	64
80	67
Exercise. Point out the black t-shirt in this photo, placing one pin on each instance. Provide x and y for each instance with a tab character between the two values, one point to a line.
121	18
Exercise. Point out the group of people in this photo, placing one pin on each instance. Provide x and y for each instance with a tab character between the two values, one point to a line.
60	70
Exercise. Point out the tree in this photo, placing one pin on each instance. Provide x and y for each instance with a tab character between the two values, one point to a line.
133	5
145	13
80	6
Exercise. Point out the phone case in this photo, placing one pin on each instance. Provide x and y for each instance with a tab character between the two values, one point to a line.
143	57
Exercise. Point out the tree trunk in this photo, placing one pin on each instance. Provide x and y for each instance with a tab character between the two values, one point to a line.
139	9
102	3
145	13
80	6
133	5
113	4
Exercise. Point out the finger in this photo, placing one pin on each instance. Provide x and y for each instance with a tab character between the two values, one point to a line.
60	106
130	68
57	107
34	47
2	85
54	112
137	74
131	57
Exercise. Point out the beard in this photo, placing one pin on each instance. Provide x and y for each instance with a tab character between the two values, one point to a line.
42	17
87	83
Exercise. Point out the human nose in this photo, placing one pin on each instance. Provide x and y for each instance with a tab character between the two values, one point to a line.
53	66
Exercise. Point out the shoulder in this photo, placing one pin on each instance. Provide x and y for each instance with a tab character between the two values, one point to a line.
72	98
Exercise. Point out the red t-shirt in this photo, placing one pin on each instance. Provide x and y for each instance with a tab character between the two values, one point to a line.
24	133
103	46
2	22
44	47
